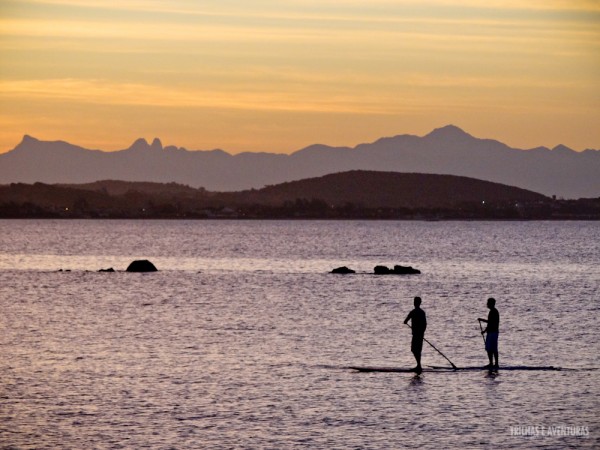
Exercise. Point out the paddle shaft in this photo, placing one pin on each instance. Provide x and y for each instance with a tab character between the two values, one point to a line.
433	346
481	328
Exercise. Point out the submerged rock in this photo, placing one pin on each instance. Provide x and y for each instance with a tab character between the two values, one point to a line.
141	265
343	270
110	269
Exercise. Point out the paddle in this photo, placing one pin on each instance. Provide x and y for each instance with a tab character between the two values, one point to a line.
481	328
451	363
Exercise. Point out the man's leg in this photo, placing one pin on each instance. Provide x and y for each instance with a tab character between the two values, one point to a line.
418	351
415	348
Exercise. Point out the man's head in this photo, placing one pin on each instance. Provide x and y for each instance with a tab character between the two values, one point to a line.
491	302
417	302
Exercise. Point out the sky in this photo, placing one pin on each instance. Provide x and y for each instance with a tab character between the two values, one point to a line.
276	76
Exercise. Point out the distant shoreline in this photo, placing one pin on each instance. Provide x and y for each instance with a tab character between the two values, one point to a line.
311	219
353	195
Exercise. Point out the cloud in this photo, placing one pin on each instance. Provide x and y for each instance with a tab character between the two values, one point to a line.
187	7
295	92
430	31
111	93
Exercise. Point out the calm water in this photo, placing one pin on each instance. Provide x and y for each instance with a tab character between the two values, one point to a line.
241	339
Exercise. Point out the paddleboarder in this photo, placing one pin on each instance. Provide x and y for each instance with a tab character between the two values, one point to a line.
492	330
418	325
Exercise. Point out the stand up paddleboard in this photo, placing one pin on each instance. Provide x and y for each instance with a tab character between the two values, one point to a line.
457	369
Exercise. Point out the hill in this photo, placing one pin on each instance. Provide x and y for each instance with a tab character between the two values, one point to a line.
392	190
348	195
448	150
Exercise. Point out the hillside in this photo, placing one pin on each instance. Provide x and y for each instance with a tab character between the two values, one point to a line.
348	195
117	187
392	190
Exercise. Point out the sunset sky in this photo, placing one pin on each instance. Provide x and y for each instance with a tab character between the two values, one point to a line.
275	76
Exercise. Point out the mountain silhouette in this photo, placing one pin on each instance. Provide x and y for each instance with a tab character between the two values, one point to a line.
448	150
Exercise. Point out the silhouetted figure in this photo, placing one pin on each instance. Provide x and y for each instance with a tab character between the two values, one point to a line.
418	325
492	330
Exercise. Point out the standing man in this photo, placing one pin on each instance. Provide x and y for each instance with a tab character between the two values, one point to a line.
492	329
419	324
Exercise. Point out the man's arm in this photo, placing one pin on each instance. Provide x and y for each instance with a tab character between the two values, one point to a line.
485	329
408	317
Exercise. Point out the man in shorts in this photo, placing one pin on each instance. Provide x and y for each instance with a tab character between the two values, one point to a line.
492	329
418	325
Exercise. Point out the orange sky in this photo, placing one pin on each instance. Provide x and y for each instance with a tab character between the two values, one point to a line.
276	76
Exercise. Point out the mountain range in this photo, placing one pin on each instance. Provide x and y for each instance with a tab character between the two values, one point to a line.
448	150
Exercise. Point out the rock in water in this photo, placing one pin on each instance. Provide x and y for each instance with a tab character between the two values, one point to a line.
397	270
141	265
405	270
343	270
110	269
382	270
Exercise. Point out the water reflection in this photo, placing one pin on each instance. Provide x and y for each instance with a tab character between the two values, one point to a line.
416	381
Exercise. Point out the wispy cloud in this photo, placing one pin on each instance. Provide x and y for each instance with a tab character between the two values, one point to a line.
308	95
191	7
320	12
384	37
106	92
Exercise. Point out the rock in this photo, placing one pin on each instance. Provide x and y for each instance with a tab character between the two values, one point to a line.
141	265
405	270
382	270
343	270
110	269
397	270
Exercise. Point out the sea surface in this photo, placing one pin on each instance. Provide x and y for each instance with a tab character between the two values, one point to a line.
243	339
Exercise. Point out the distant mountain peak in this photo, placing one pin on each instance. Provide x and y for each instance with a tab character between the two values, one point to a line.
139	144
27	142
27	138
449	132
562	149
156	144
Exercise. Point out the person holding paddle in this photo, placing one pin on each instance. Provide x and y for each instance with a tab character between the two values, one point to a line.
492	329
419	324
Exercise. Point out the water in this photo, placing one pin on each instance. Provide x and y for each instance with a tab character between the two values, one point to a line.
241	339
